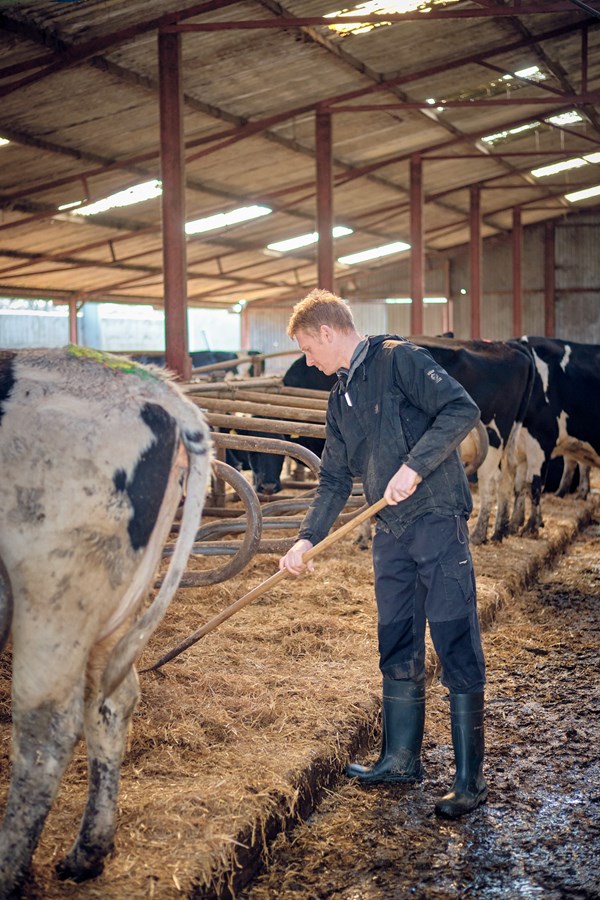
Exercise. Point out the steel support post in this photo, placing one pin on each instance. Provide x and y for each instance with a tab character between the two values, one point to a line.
517	244
325	260
475	256
73	321
549	279
417	253
172	166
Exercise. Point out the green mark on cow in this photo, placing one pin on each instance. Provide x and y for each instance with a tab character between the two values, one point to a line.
116	363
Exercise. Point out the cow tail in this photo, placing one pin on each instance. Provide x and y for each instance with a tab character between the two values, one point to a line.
131	645
6	605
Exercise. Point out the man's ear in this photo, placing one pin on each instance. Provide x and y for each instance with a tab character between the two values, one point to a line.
326	332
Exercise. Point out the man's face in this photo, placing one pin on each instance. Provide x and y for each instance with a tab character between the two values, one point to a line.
320	349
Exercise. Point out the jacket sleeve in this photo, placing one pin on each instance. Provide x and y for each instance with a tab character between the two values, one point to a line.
451	410
335	486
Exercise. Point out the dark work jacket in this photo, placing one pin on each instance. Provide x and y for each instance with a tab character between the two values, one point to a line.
405	408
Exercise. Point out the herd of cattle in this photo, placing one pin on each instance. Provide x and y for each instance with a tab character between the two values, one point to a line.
94	456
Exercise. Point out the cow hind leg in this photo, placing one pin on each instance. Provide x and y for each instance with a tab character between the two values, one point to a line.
43	742
106	726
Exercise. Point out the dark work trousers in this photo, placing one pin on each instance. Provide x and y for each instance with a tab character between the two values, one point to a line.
427	574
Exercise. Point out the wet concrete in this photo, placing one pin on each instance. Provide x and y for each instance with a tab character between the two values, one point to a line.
538	836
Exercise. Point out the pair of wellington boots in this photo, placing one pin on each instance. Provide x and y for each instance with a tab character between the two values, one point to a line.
403	720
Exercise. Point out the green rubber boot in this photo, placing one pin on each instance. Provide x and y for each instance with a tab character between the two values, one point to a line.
403	720
469	789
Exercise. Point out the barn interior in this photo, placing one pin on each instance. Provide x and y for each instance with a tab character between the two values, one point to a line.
437	163
235	155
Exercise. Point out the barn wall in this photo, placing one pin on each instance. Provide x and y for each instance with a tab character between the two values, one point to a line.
578	279
19	328
577	274
497	287
267	329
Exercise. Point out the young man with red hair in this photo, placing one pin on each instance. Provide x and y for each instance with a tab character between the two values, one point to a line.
395	421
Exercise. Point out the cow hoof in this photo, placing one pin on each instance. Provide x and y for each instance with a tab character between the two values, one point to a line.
70	869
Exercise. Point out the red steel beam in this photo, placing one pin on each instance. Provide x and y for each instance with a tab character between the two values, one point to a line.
417	252
324	148
567	99
173	204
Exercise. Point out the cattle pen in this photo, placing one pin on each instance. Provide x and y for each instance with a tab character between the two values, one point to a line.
242	736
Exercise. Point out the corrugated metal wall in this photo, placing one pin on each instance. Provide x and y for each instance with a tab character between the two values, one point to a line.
19	329
267	328
578	279
577	282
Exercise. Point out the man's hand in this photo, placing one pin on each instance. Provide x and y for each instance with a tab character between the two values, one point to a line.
292	561
401	485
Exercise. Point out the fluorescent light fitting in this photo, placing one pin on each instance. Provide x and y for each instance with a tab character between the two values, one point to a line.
553	169
592	157
583	194
304	240
70	205
500	135
4	141
373	253
223	220
148	190
407	300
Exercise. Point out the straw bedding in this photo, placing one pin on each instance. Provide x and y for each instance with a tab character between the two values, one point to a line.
246	730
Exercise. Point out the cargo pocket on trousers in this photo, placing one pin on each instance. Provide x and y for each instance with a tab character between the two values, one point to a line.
459	583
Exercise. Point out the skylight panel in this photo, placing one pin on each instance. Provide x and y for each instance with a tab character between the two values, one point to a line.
584	194
502	135
148	190
373	7
224	220
305	240
407	300
568	118
373	253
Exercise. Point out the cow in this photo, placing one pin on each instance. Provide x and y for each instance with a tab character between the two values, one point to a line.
560	421
266	467
198	358
499	376
94	453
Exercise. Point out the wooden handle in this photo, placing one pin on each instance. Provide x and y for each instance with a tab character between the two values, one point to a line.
265	586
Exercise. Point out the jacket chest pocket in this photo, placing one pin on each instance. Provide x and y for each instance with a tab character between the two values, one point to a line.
414	423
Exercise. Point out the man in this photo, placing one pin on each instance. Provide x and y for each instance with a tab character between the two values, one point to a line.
395	420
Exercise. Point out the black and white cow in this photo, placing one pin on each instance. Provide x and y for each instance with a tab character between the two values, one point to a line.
561	420
499	376
266	467
94	454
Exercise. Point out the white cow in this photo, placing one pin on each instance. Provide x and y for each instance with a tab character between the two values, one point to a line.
92	467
